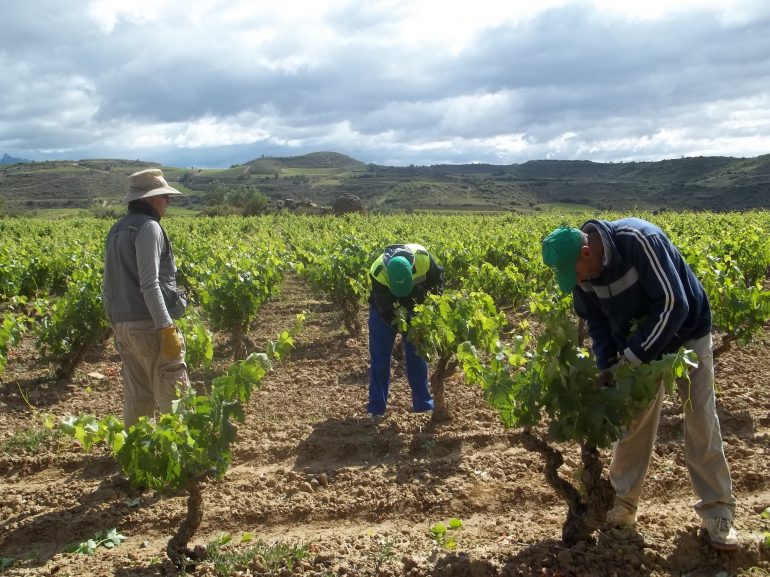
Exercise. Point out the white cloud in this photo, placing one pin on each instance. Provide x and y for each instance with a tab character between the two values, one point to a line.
412	81
106	14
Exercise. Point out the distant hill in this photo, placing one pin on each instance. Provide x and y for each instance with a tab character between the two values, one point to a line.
7	159
65	184
700	183
328	160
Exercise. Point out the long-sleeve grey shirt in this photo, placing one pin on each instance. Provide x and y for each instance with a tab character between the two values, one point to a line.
138	258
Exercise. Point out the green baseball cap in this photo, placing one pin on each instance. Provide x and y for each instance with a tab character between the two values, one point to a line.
399	276
561	249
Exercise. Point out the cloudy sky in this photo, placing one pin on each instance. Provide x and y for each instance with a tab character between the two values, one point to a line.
212	83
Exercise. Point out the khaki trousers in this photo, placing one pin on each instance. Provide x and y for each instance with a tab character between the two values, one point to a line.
704	454
149	379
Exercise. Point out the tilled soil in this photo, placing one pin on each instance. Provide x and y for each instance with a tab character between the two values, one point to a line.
310	469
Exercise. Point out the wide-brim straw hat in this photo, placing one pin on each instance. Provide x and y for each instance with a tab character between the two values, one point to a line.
147	183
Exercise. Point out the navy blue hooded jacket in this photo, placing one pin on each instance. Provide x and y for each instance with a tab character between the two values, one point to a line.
645	278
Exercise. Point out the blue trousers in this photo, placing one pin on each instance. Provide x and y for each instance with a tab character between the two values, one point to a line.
381	339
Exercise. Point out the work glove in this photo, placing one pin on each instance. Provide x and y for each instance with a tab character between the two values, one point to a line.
170	345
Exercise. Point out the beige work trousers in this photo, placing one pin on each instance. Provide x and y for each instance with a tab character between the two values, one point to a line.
704	454
149	379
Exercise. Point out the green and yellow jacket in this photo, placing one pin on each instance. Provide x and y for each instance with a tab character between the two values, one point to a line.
427	277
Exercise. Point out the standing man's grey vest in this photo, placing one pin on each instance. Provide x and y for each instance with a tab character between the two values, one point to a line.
123	301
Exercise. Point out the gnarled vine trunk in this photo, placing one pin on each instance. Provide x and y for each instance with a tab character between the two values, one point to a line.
350	317
724	346
583	515
69	363
177	549
600	493
444	367
239	340
71	360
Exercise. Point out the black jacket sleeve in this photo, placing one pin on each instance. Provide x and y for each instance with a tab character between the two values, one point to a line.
382	299
604	347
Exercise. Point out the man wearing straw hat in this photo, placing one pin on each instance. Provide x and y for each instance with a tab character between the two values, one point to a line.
141	299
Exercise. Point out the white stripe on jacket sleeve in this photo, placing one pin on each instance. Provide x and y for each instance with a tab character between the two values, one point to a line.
665	283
